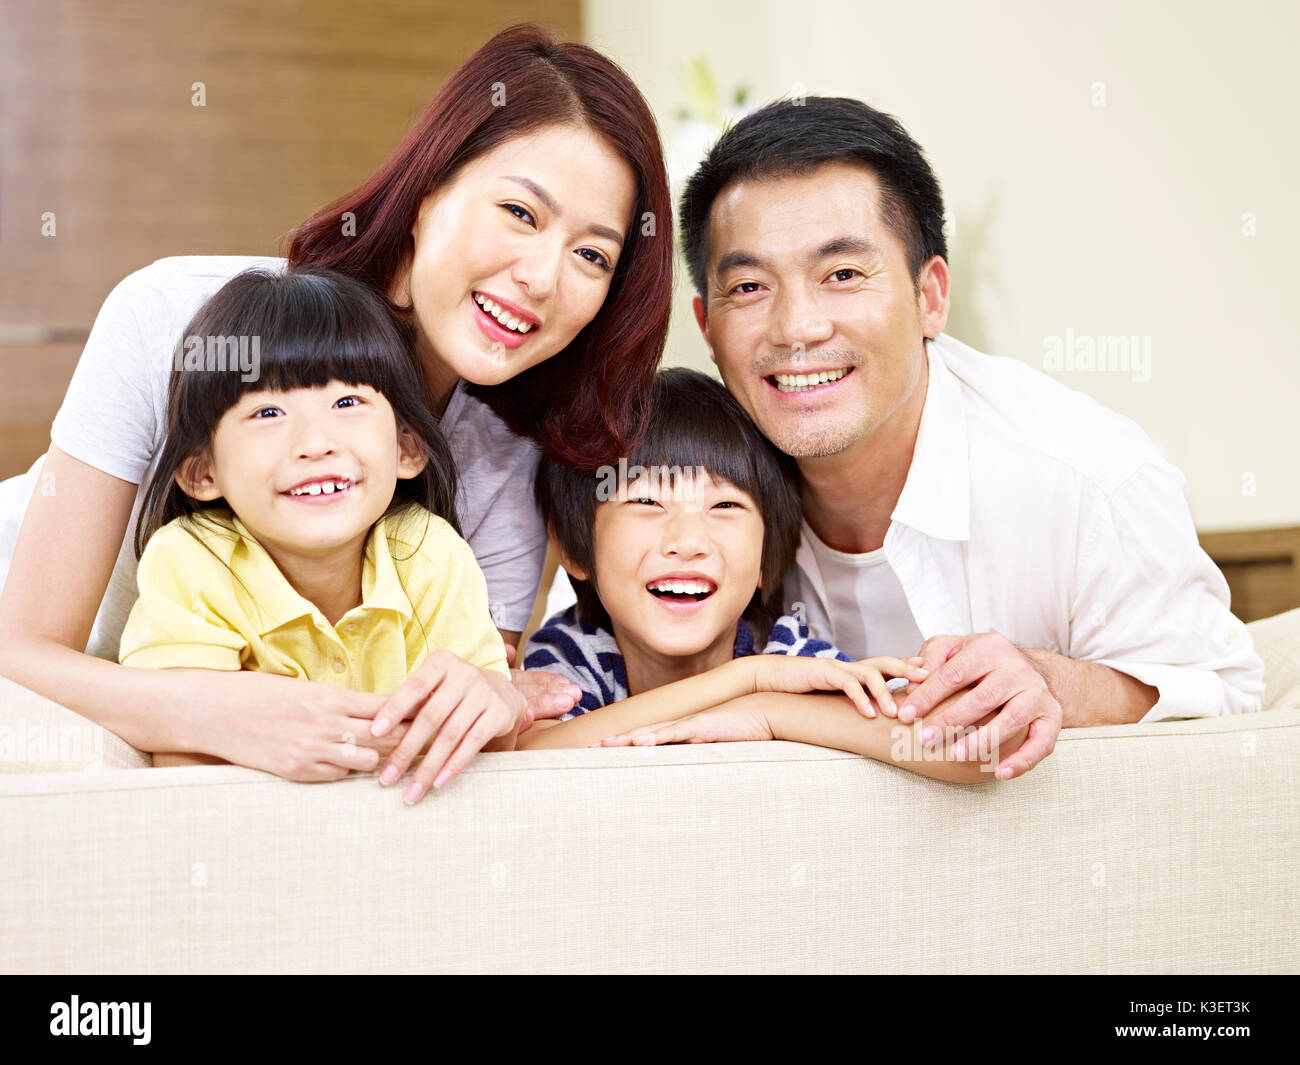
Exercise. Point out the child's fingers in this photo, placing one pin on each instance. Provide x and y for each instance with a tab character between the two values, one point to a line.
406	700
881	693
851	687
910	668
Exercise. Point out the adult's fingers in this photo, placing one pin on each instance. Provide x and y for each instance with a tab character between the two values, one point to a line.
969	665
989	695
1018	711
478	734
404	702
1040	741
428	721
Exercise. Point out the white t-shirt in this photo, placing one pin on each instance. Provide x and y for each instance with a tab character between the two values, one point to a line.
1032	511
865	602
114	414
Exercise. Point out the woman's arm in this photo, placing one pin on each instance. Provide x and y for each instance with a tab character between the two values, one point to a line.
66	549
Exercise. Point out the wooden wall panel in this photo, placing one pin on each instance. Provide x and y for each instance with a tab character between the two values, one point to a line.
304	98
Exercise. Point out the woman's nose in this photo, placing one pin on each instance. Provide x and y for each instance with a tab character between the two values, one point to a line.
537	270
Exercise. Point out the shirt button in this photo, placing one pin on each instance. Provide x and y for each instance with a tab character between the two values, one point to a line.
350	627
339	665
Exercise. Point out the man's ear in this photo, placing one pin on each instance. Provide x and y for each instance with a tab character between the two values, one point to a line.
702	320
570	567
196	480
411	458
932	296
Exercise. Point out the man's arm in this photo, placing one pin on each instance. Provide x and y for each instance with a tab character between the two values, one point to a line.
1093	694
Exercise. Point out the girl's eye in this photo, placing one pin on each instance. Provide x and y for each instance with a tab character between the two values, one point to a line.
349	401
522	213
845	270
595	258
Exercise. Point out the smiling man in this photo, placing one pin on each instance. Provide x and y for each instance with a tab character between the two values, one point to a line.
1033	545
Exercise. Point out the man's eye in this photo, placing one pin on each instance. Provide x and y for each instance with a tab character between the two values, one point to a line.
595	257
845	270
745	288
522	213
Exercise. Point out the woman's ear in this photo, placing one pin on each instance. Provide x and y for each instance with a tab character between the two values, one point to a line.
411	458
571	568
196	480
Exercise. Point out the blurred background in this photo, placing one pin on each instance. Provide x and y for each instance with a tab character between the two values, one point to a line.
1119	176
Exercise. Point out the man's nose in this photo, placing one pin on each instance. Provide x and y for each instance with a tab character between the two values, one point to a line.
799	319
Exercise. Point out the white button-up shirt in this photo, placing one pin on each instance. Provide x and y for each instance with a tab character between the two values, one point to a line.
1033	511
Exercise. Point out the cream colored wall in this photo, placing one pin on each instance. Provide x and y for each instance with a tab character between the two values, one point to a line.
1111	169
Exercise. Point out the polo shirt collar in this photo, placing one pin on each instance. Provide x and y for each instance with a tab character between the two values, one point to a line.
936	496
277	601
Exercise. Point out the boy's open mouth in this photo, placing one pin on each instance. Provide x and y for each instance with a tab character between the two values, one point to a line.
682	589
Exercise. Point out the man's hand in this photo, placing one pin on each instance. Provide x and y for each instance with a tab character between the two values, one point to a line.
545	694
999	675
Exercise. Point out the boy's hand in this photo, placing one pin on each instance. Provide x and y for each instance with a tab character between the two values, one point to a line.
462	705
721	724
790	673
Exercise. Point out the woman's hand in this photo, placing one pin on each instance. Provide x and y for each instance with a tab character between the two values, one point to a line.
730	723
459	706
796	675
545	694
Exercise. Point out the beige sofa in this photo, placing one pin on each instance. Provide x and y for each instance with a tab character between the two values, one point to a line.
1166	848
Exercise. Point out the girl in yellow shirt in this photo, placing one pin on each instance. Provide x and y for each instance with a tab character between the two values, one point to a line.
300	519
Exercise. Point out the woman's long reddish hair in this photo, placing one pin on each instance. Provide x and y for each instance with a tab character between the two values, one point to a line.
587	404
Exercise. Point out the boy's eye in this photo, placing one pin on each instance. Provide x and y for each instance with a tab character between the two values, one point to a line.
267	411
645	500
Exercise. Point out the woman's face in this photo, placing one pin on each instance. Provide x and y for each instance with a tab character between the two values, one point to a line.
515	254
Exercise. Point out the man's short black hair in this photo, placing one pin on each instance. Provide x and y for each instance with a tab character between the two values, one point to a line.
694	422
791	137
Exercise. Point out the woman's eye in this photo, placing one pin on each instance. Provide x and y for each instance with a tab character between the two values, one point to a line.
522	213
846	270
595	257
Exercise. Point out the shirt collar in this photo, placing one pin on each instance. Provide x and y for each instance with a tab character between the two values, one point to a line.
276	601
936	496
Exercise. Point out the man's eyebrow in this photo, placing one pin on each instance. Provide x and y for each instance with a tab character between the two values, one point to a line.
548	201
840	245
734	259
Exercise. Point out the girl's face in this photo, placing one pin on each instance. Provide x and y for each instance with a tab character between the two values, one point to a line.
675	569
514	255
307	470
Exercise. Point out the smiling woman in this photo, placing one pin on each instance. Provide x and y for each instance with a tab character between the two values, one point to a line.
521	233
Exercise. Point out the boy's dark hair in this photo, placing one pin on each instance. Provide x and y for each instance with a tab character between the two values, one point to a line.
694	421
313	326
791	137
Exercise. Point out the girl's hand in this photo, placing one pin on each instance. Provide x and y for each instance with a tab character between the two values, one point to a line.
545	694
462	705
721	724
796	675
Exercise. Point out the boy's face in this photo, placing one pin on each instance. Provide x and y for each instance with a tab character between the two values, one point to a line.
308	469
703	538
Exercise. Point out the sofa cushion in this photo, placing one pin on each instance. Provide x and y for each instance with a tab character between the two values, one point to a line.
40	736
1277	639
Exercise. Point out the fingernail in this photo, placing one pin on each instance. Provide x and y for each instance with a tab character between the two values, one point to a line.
442	778
1003	772
389	775
906	712
922	672
379	726
414	793
928	734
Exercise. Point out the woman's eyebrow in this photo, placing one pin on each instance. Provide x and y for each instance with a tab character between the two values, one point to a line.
548	201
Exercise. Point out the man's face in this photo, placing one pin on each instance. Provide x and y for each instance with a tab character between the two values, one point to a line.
806	278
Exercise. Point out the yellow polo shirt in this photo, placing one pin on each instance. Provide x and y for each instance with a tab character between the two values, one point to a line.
220	602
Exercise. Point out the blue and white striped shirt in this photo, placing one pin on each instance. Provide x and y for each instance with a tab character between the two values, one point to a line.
589	656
